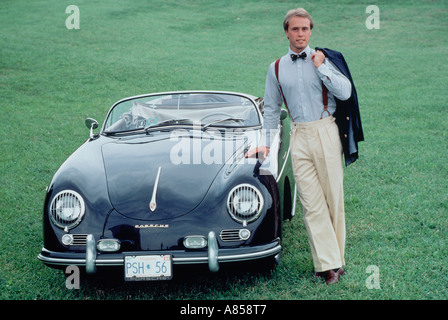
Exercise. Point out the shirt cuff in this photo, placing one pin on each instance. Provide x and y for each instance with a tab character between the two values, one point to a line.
324	72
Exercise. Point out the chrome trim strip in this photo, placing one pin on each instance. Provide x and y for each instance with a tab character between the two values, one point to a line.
284	165
294	201
153	203
251	256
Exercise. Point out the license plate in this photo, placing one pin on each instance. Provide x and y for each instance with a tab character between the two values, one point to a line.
151	267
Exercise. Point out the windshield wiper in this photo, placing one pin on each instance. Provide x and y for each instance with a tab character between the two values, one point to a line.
221	120
166	122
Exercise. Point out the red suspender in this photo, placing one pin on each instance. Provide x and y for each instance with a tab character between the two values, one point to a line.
324	100
324	92
277	62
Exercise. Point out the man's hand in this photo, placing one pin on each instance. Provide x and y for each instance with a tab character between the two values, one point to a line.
318	58
259	152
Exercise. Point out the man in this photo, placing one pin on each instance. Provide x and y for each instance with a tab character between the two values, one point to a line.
306	79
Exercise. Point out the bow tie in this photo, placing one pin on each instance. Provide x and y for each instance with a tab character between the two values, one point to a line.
294	57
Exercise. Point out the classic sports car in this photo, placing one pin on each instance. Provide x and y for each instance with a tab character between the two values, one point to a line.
166	182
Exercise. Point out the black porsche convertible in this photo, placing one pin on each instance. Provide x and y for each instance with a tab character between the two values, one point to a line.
165	182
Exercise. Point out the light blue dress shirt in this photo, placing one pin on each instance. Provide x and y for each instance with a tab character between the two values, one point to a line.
301	83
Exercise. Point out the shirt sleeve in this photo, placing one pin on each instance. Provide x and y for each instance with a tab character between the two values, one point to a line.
272	106
334	80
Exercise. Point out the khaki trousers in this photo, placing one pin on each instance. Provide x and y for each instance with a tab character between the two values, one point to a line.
316	153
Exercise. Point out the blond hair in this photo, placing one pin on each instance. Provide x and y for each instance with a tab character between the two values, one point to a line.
299	12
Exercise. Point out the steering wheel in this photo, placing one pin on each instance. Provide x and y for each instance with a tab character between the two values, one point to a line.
216	114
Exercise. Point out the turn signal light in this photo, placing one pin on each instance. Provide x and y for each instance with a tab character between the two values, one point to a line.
108	245
195	242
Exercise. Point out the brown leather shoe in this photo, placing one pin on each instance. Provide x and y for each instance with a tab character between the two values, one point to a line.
333	276
330	276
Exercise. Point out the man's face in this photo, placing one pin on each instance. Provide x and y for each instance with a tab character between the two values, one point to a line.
298	33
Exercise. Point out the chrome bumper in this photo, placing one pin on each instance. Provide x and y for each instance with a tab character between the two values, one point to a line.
213	256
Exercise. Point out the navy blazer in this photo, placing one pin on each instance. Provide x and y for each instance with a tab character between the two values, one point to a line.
348	118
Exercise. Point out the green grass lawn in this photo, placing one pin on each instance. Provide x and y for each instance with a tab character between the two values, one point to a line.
52	78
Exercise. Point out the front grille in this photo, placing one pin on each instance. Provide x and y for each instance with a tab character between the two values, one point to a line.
79	240
230	235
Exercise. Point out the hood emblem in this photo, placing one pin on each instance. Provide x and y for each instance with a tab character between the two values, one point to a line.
153	203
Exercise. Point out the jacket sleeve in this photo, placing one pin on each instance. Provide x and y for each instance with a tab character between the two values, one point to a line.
334	80
347	113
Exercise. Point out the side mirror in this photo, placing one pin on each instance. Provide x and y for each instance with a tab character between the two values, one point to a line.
92	124
283	114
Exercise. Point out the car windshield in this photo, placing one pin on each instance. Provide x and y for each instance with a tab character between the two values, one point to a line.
182	109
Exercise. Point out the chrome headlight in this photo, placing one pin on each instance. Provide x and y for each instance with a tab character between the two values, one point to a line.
67	209
245	203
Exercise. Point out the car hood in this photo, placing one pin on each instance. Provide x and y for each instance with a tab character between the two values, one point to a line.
174	172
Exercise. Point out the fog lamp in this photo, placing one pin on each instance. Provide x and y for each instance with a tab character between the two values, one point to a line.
195	242
108	245
67	239
244	234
